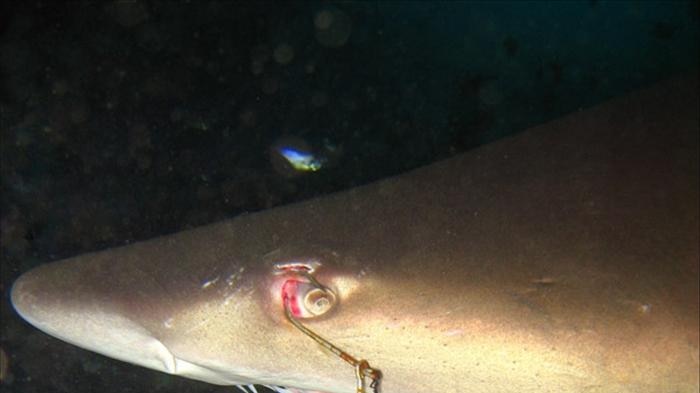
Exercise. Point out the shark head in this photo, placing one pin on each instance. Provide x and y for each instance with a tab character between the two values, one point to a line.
222	322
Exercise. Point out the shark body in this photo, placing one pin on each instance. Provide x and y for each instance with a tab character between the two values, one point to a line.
564	259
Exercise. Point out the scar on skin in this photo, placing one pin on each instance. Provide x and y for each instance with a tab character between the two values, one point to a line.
642	308
544	281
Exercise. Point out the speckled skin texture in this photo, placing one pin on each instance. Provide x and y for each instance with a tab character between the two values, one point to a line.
564	259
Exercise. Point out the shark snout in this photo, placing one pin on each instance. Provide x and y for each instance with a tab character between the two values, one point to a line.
62	304
33	297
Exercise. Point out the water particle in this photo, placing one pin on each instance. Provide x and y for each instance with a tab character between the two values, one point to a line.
335	28
283	53
323	20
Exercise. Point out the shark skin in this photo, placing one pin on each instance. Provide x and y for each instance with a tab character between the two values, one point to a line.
563	259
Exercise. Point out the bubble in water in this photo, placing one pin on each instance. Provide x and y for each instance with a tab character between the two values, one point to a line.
258	58
319	99
333	28
5	376
323	19
490	95
270	85
283	53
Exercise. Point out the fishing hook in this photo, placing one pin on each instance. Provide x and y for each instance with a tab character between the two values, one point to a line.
362	368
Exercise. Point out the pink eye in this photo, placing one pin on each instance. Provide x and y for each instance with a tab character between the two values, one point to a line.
306	300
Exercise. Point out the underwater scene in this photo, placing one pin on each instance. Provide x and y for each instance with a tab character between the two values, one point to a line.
122	121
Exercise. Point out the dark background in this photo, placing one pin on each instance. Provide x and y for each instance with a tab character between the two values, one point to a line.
125	120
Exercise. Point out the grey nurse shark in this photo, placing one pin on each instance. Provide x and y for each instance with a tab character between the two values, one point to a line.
563	259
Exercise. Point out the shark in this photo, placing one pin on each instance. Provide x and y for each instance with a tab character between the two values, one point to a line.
561	259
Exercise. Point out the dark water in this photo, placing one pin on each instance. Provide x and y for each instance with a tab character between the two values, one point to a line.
125	120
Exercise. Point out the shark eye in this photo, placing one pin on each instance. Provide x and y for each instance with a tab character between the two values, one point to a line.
318	301
306	300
